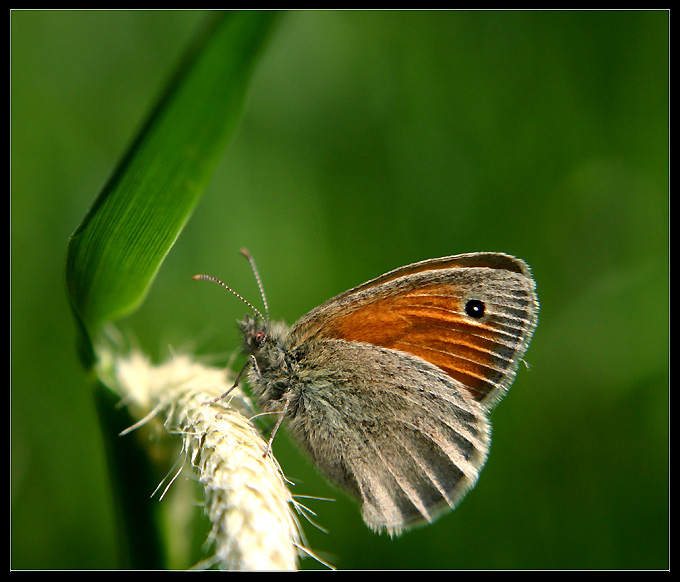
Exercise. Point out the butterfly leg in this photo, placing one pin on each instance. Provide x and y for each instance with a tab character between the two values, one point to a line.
286	404
257	368
236	382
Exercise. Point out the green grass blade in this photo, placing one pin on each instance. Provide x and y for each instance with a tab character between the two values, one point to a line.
115	253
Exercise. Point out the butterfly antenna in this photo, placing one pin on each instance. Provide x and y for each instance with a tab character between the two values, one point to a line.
216	280
251	260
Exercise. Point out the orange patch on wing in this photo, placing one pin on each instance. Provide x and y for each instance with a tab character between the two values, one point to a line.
430	322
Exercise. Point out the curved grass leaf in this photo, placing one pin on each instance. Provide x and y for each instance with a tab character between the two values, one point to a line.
116	251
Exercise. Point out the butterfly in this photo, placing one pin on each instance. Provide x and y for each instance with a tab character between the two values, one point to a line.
388	386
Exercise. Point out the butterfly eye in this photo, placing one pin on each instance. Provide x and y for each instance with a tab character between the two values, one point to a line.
258	337
475	308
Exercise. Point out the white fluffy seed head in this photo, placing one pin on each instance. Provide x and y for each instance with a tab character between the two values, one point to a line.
246	497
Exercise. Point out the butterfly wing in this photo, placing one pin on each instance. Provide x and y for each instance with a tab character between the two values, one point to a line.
398	375
428	310
391	429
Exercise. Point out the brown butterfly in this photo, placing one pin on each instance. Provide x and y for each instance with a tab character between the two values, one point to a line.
388	386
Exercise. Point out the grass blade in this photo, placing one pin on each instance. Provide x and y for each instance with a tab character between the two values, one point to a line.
115	253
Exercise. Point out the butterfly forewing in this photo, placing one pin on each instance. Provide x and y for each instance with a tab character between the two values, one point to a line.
423	312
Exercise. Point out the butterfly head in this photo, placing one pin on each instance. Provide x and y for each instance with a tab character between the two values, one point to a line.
262	336
255	333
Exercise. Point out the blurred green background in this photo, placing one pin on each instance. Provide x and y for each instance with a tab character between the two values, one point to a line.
371	140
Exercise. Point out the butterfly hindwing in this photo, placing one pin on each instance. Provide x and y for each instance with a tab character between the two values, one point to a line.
408	449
